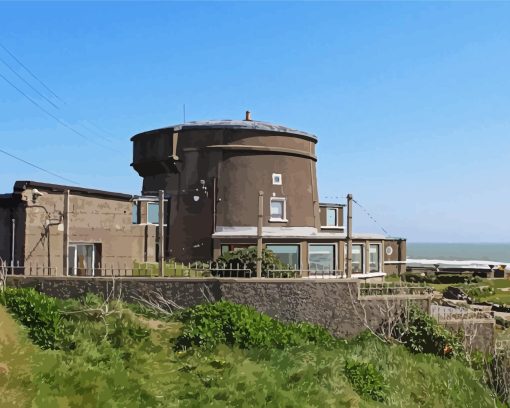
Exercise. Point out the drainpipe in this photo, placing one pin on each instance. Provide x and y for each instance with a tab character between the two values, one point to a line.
349	235
13	236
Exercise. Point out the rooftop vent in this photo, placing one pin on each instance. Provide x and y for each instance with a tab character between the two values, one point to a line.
248	116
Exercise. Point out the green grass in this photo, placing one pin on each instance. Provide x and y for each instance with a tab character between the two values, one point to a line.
128	360
16	363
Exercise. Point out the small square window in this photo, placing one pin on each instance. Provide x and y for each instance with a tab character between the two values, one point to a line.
277	179
278	212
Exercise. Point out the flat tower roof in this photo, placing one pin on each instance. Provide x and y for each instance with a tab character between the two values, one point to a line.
234	124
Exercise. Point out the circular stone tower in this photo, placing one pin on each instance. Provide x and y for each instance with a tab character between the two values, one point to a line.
212	172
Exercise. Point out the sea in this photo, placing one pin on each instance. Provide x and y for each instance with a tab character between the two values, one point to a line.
459	251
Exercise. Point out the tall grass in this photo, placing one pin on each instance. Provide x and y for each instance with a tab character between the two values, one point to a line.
113	357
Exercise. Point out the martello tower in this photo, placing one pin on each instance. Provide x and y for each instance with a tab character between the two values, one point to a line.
212	171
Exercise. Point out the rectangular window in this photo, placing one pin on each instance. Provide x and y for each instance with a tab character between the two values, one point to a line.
321	257
134	214
288	254
331	217
357	259
225	249
278	212
152	213
375	258
83	259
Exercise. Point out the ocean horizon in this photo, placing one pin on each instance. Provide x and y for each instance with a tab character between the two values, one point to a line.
451	251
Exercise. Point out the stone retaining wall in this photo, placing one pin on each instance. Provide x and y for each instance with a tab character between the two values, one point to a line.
332	304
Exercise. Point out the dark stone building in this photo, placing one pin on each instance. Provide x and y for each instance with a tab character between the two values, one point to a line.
212	173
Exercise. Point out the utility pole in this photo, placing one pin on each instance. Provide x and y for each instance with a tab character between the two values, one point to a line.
349	235
161	220
259	234
65	248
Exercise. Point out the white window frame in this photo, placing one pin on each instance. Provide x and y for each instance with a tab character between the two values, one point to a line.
287	244
380	268
336	217
332	227
74	267
363	257
284	212
275	181
335	253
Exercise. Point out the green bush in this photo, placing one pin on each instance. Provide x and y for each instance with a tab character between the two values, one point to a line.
38	312
366	379
421	333
440	278
476	292
247	258
211	324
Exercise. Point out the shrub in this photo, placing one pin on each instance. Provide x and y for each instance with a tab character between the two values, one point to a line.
38	312
211	324
247	258
366	379
479	291
421	333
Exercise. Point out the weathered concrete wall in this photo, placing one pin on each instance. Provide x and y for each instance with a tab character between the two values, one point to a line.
334	305
479	334
94	220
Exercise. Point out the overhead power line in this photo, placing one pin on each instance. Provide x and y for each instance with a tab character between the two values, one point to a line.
362	208
30	72
52	115
370	216
38	167
99	130
28	83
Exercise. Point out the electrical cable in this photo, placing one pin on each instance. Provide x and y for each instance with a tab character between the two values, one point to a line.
28	83
55	117
38	167
105	133
30	72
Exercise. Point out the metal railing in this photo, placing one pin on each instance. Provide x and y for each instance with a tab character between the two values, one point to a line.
29	269
175	270
393	289
446	313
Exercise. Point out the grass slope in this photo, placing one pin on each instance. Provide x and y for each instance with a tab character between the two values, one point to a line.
16	364
127	360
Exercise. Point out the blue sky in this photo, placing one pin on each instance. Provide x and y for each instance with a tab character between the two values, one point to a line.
410	101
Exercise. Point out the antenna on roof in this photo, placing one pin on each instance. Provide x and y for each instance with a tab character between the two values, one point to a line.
184	112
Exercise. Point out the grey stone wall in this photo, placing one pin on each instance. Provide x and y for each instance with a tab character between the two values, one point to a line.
479	334
332	304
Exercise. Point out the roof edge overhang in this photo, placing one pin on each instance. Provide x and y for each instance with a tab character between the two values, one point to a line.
253	126
22	185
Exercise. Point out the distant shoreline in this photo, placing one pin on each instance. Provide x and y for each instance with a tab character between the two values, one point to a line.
475	252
